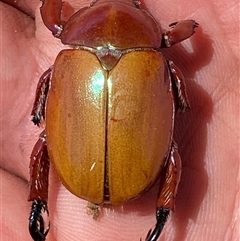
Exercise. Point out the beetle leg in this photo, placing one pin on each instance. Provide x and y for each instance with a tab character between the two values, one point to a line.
179	32
179	84
51	16
168	188
39	170
38	110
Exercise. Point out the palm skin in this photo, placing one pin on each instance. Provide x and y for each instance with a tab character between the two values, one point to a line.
208	135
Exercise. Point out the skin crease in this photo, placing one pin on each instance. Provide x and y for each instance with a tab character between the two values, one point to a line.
207	204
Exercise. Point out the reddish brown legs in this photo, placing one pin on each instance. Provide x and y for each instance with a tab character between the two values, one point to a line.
179	32
39	165
178	83
172	172
51	16
168	188
39	170
38	111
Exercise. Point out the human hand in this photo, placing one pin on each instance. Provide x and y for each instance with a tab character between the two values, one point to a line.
207	135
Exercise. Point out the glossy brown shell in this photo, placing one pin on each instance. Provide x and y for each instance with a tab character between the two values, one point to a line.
109	128
112	24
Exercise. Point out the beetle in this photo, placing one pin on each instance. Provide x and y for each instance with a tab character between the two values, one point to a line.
109	105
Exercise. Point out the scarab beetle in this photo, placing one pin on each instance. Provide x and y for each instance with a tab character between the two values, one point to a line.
109	105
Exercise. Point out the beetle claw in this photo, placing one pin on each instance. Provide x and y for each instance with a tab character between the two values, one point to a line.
36	120
161	215
36	221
